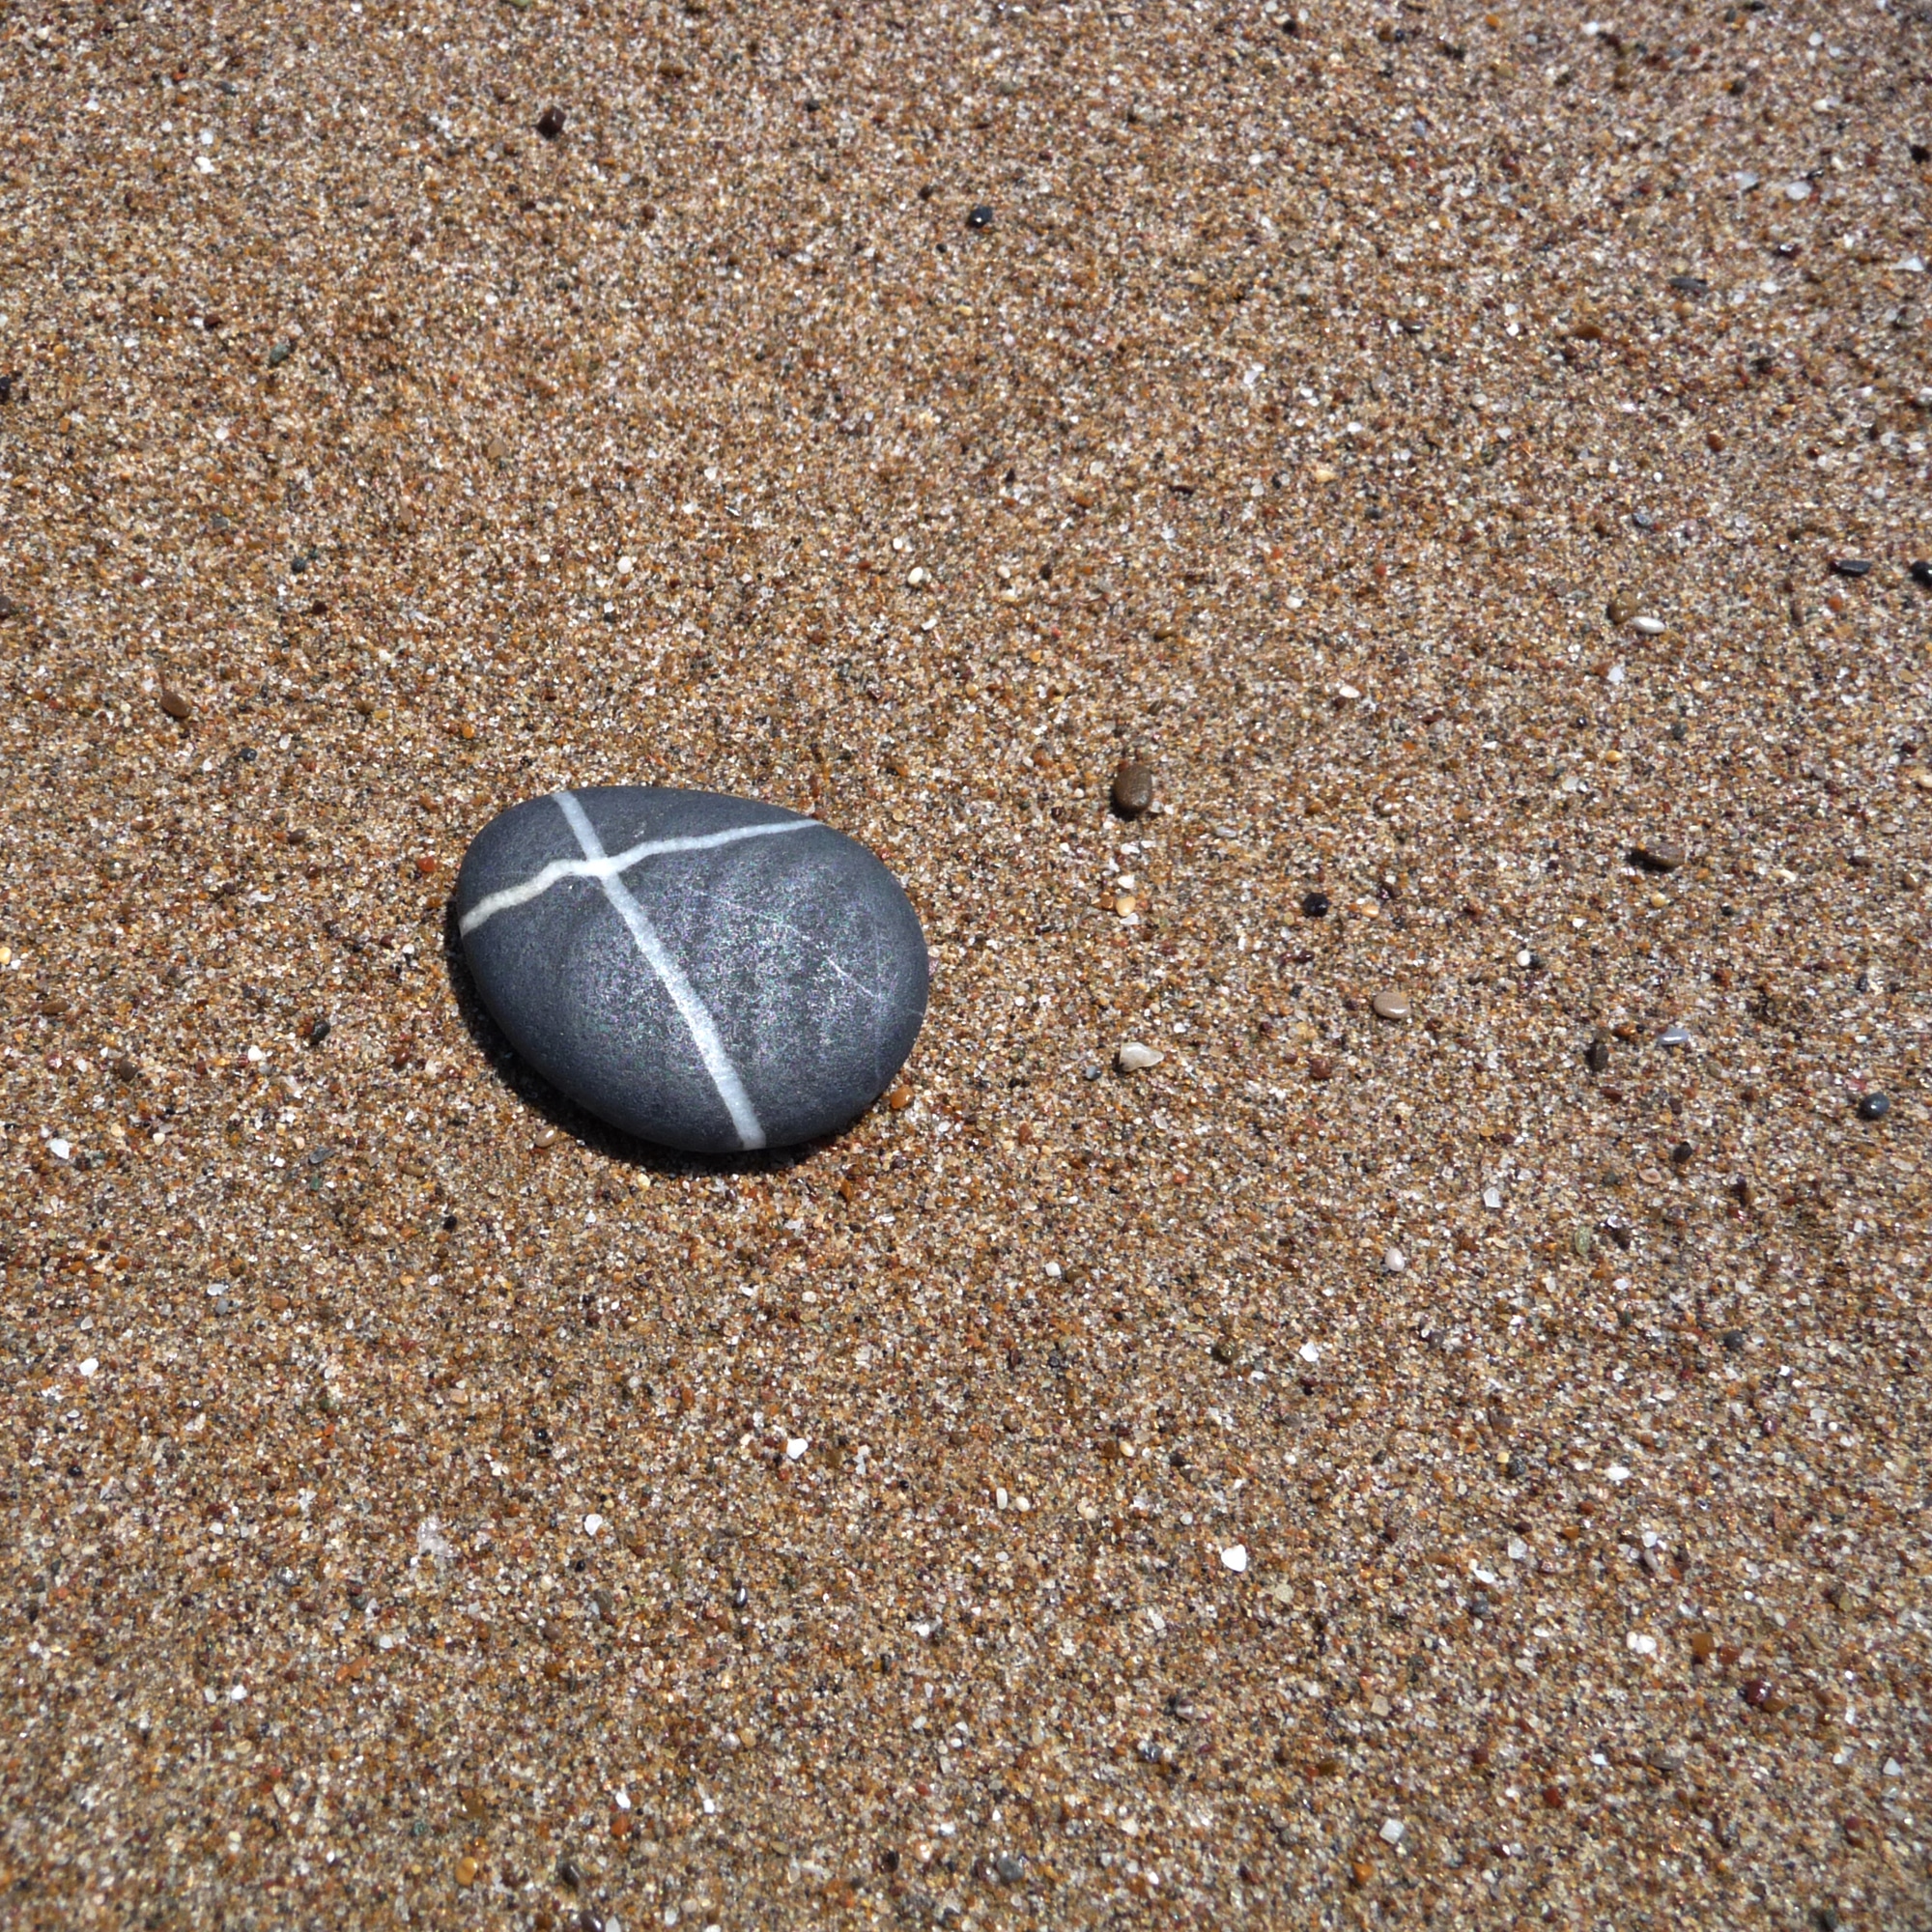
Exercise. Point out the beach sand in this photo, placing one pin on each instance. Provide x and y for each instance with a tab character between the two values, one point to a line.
1465	1469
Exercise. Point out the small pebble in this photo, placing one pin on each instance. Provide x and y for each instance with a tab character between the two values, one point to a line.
1394	1261
1236	1557
1921	573
981	216
1597	1056
1133	788
1651	627
1624	606
1674	1035
1874	1106
1314	904
1390	1005
1136	1058
1851	566
1659	855
174	704
550	125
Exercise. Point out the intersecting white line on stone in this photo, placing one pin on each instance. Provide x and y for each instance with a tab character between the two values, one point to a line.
609	866
697	1016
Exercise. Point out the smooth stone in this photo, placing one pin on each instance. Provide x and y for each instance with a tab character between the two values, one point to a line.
1390	1005
1874	1106
1136	1058
1674	1036
1133	789
1597	1056
1659	855
704	972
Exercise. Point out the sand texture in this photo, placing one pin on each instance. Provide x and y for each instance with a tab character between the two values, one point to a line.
1457	1460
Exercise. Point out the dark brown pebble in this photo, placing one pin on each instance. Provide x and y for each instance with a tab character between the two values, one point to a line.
1314	904
1320	1067
1756	1692
1133	788
1624	606
1659	855
174	704
125	1069
317	1031
1597	1056
550	126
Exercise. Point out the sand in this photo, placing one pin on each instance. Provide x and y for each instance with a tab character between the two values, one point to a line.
1463	1469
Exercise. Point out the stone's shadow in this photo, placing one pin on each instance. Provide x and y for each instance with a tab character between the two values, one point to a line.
535	1092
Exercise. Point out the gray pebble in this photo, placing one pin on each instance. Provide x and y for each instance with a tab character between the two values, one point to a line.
703	971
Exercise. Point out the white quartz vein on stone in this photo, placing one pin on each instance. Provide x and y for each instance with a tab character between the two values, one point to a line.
607	865
697	1016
